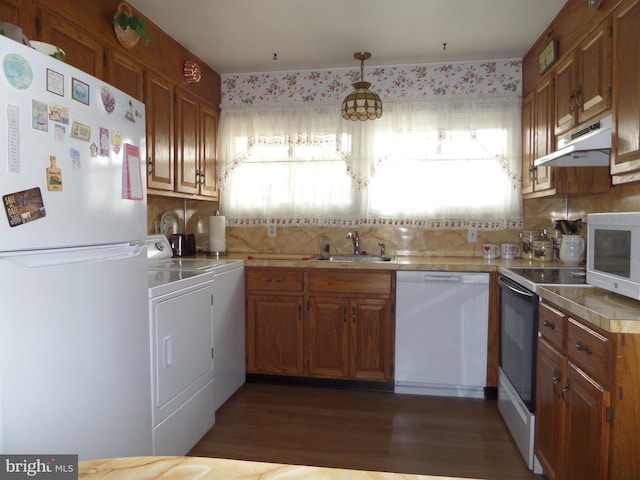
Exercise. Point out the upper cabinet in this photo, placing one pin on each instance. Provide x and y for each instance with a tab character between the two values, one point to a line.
82	50
537	137
159	101
182	118
538	114
583	81
14	11
196	136
625	161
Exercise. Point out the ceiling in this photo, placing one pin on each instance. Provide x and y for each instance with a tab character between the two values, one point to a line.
241	36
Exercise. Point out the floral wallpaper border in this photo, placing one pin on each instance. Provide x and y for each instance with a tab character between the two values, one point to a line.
499	78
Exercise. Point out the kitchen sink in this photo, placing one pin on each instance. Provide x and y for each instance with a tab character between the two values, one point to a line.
355	258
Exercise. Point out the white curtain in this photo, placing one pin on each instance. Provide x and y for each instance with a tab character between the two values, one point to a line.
437	164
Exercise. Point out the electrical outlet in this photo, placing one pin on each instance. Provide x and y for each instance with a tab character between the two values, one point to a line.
271	232
472	235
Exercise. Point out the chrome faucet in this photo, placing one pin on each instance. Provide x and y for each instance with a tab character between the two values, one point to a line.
356	241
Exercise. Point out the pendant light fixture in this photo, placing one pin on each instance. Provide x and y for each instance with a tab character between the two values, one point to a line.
362	103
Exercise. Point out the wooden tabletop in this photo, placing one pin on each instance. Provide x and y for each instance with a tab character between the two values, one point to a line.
201	468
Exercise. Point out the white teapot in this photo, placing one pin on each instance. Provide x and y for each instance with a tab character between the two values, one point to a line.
572	249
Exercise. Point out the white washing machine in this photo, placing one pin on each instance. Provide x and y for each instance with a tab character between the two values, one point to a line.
182	303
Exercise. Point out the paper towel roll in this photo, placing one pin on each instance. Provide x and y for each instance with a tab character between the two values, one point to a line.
217	237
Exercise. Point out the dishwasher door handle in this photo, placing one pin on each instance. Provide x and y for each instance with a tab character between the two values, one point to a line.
442	278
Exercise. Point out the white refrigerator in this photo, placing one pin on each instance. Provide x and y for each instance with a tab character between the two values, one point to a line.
74	335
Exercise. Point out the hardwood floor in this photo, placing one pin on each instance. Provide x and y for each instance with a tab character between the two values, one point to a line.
366	431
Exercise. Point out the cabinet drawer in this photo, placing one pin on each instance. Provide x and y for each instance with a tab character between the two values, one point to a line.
375	283
590	350
272	279
551	324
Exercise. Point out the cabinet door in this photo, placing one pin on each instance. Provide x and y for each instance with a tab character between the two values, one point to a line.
550	409
565	95
15	11
626	94
274	334
187	140
208	144
594	64
587	428
371	339
158	96
528	138
125	73
543	131
328	337
82	50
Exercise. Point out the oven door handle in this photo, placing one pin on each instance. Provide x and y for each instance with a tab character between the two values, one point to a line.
514	287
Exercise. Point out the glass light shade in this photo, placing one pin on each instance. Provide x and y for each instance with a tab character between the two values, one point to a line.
362	104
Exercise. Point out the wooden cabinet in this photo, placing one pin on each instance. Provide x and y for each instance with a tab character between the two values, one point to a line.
125	73
551	409
16	12
275	321
321	323
187	141
274	334
625	161
583	81
537	137
158	95
350	338
538	115
578	425
196	137
351	333
82	50
371	339
209	118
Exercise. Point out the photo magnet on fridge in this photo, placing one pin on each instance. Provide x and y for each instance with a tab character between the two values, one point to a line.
24	206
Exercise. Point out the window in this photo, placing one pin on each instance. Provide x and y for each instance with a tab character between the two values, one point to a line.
418	164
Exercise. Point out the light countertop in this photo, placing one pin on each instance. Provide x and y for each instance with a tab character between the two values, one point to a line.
610	311
201	468
434	263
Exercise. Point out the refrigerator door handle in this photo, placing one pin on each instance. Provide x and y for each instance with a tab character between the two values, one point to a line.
69	256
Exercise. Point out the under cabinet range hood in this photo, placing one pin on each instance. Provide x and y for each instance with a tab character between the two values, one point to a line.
588	147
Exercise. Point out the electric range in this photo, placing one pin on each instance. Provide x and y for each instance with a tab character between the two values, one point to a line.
518	340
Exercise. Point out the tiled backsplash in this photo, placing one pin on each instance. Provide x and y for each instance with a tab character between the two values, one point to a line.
538	214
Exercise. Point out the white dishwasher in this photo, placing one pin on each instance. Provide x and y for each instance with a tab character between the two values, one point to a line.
441	333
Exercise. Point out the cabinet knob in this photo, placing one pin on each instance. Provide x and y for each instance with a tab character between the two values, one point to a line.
578	97
149	165
552	326
572	97
582	348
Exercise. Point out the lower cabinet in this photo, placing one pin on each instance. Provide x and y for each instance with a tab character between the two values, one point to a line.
323	323
579	424
349	338
274	334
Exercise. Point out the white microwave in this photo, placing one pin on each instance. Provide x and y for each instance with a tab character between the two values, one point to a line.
613	252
